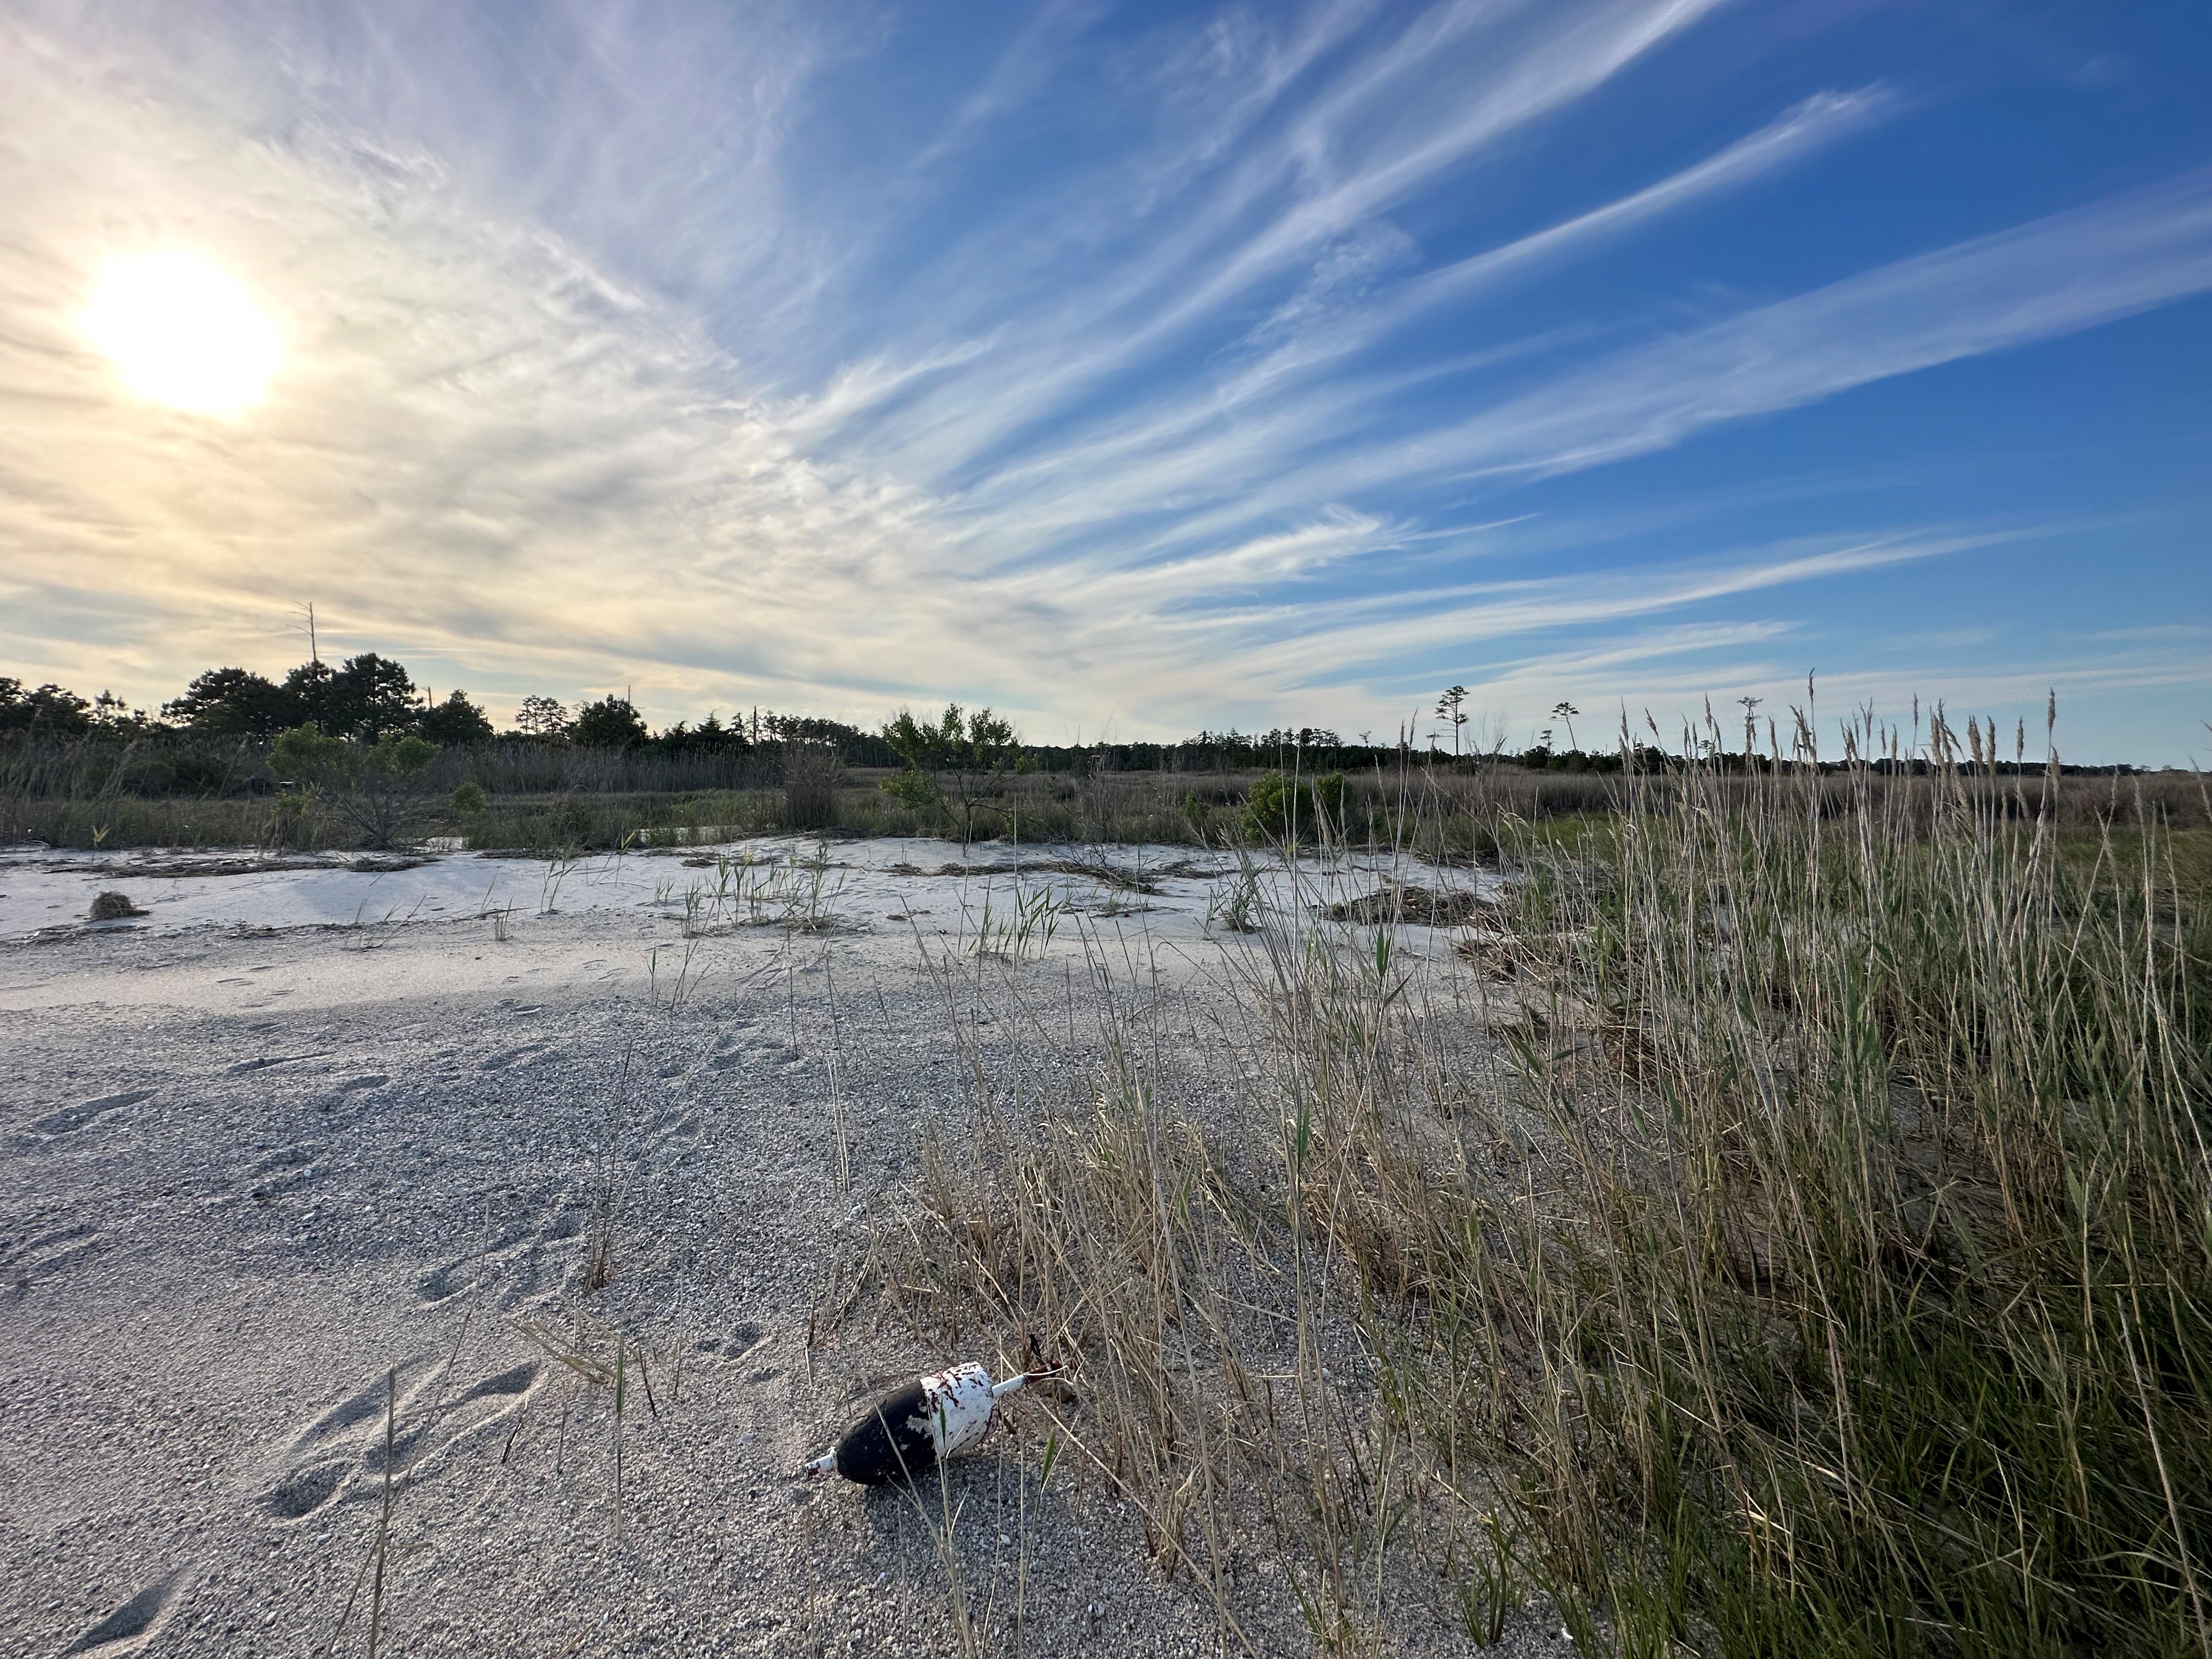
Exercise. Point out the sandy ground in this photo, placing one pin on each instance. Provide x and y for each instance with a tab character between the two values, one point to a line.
304	1151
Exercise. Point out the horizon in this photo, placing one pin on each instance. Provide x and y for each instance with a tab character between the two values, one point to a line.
1917	736
1132	370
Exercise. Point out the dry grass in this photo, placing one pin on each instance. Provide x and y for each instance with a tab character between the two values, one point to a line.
1219	1381
1788	1230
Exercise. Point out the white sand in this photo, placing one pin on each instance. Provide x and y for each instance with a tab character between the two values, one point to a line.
292	1131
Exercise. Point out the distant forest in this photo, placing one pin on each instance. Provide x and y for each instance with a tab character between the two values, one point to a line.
369	698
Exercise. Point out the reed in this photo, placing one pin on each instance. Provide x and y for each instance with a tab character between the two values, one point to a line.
1831	1271
1783	1226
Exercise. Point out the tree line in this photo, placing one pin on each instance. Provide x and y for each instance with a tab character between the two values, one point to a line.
370	697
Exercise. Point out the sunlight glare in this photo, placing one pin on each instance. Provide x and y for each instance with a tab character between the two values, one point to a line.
182	332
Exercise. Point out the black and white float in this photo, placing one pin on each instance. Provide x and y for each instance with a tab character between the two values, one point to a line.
911	1430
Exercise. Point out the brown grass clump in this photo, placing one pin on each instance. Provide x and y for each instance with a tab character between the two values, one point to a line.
1217	1380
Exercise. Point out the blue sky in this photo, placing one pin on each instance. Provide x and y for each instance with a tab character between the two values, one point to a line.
1136	368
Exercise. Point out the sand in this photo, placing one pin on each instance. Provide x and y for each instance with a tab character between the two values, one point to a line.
303	1150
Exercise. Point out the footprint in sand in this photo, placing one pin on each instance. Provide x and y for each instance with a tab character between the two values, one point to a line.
340	1455
300	1493
134	1624
49	1253
353	1411
444	1284
70	1119
288	1157
743	1339
264	1061
511	1256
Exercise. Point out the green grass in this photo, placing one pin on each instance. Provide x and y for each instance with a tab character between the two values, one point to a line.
1792	1235
1854	1295
112	821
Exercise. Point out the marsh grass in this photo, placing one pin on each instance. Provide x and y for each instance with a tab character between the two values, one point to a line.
811	776
82	794
1024	931
1892	1215
1836	1280
1784	1225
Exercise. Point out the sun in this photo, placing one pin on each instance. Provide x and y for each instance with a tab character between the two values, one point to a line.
183	331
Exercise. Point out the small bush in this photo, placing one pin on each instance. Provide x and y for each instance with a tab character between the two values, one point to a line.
912	788
1332	795
113	907
377	788
469	799
1278	808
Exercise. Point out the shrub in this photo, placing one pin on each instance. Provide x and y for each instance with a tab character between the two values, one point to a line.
913	789
377	788
469	799
1277	808
1332	795
973	751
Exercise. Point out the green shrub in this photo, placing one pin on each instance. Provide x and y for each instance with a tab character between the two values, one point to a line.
377	788
1332	795
1277	806
469	799
912	787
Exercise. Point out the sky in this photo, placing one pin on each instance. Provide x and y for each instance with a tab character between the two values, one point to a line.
1131	369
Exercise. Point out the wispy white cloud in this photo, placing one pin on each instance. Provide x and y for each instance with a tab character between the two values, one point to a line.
1238	232
2055	275
1155	436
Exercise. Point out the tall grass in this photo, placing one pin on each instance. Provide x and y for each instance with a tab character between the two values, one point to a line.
1788	1231
1840	1277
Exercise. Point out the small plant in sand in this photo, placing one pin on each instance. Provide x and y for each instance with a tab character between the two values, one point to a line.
561	866
794	896
582	1344
684	982
1026	932
1234	907
113	907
